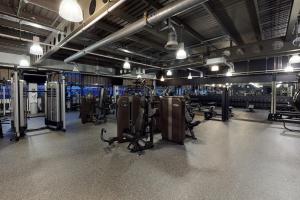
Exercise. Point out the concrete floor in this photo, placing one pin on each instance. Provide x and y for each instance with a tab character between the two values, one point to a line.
235	160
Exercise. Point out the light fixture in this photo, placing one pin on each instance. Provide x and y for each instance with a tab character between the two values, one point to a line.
169	73
229	72
289	68
75	69
24	63
172	43
294	59
36	48
139	76
181	53
278	85
190	76
214	68
162	79
71	11
126	64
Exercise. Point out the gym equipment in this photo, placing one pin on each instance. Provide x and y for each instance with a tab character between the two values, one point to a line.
134	120
250	108
173	119
137	116
288	116
55	105
94	109
210	113
19	103
133	124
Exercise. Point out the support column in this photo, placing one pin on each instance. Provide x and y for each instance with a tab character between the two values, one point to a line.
273	96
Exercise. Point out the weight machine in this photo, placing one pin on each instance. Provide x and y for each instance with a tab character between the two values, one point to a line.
95	109
135	120
210	113
288	117
54	105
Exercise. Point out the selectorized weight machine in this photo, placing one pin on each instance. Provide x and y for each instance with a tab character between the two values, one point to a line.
210	113
54	105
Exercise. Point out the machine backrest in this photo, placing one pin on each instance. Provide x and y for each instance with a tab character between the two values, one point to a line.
128	108
172	117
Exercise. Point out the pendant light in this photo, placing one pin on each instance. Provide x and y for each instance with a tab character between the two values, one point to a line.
162	79
169	73
215	68
172	43
181	53
36	48
75	69
71	11
24	63
289	68
294	59
190	76
229	72
126	64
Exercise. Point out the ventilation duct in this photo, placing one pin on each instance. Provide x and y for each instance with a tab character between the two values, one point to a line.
164	13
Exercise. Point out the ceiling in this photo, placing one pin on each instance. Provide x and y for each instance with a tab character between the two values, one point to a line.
205	28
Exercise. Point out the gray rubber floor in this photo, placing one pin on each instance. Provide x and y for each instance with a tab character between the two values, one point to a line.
235	160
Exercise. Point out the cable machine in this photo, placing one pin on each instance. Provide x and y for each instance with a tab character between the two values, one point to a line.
54	104
210	113
55	107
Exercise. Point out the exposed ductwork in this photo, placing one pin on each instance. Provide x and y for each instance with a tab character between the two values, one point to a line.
76	50
164	13
28	23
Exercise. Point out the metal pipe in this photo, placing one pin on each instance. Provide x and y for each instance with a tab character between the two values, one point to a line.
84	26
77	50
136	54
137	26
28	23
208	40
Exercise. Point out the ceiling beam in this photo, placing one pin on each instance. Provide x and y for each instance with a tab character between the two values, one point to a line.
252	6
293	20
216	10
111	29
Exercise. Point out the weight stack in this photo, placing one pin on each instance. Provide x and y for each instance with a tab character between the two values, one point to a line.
127	111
